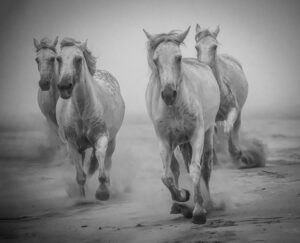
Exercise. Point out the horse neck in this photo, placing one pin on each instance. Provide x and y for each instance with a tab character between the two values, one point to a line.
215	67
83	94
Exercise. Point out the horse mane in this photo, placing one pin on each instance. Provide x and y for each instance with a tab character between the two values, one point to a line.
45	43
152	44
88	56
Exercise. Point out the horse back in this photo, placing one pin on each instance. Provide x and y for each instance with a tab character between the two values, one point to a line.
231	73
109	94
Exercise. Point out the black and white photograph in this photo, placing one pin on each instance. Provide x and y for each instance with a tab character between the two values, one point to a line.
139	121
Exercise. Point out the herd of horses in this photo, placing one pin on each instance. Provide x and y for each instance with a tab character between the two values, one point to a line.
185	97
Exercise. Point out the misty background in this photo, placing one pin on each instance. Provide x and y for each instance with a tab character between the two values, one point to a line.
263	35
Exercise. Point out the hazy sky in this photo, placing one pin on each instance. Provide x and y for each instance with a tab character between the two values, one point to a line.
263	35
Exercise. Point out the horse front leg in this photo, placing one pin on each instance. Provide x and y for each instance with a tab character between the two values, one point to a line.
170	166
77	159
104	151
200	189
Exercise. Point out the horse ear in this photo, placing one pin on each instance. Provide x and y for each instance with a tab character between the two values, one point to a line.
36	43
55	42
216	32
84	44
183	35
198	28
148	35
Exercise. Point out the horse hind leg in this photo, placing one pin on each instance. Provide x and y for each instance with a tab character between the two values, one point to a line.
175	169
249	158
93	166
207	160
186	150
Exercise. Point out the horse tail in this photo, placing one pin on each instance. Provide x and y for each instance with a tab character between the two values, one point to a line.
254	154
93	166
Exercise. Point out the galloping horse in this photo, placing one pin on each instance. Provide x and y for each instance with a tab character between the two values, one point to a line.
233	90
89	112
47	66
182	100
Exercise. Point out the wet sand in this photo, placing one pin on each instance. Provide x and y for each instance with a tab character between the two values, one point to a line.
39	199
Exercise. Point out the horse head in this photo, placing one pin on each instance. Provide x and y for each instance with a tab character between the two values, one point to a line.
45	59
73	60
206	44
164	57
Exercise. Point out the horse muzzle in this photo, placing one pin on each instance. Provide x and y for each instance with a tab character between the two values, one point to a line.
65	90
44	85
169	95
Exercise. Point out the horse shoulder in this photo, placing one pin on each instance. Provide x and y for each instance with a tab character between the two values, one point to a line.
204	90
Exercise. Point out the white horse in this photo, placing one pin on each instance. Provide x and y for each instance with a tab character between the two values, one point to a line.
182	100
89	112
47	66
234	91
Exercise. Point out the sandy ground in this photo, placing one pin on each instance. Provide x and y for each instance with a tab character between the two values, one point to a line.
39	197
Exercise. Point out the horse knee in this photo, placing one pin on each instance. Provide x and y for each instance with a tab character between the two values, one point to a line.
167	180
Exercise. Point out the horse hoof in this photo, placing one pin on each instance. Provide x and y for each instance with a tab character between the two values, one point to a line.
175	209
199	218
183	209
187	212
187	195
182	196
102	193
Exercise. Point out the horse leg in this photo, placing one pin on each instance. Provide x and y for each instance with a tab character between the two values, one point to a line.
233	142
249	158
77	160
231	119
168	178
186	150
206	167
197	143
175	169
93	166
101	149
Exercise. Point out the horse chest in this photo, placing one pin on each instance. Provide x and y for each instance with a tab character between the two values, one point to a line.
84	134
177	127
